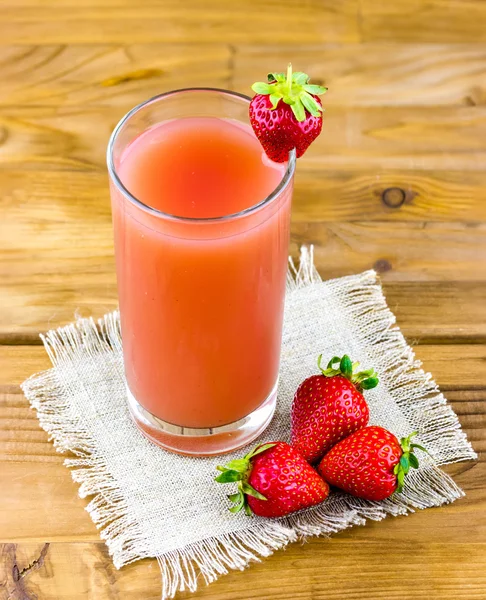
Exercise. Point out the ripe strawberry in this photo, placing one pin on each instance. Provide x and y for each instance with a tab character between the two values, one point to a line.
370	463
273	481
329	407
286	113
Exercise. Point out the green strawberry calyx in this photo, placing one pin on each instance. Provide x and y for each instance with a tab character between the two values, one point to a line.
239	470
363	380
295	90
407	459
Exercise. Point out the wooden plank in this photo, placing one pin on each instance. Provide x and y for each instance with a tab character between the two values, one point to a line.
370	74
363	138
368	571
445	362
399	251
439	312
427	312
357	74
55	513
469	407
106	74
74	272
257	21
386	194
405	138
76	198
41	502
57	260
18	362
419	21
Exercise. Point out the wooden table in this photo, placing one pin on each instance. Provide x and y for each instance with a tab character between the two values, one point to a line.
397	181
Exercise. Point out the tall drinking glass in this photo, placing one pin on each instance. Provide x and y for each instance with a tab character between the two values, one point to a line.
201	295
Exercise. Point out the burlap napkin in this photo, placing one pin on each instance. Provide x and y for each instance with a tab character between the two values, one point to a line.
148	502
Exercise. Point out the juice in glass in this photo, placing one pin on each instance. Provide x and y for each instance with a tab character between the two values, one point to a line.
201	220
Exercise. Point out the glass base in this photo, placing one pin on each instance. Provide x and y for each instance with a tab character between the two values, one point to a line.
203	442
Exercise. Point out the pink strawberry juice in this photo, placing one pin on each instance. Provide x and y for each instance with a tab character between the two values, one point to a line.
201	292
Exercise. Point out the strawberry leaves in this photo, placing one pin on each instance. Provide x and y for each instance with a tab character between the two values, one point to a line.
407	459
346	366
274	99
311	105
317	90
262	88
298	110
274	78
238	470
413	460
363	380
293	89
228	476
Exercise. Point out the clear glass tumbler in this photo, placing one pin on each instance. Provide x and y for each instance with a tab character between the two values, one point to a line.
201	299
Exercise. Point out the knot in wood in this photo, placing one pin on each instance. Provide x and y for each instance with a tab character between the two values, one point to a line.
393	197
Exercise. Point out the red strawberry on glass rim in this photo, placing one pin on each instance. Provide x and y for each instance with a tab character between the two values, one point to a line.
286	113
273	481
371	463
330	406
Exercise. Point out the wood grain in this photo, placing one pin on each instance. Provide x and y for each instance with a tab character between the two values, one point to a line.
460	305
399	251
347	571
464	520
19	362
257	21
415	304
438	360
387	195
406	138
372	138
42	503
416	20
383	74
369	74
71	199
61	272
105	74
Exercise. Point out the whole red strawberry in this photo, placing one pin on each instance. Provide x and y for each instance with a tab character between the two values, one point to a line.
273	481
286	113
329	407
370	463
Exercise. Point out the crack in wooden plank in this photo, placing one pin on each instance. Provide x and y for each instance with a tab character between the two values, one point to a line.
13	578
34	565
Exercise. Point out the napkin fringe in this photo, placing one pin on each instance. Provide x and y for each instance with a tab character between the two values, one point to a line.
306	273
414	390
182	568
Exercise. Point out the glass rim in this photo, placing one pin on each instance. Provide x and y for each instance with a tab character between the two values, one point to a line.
287	176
